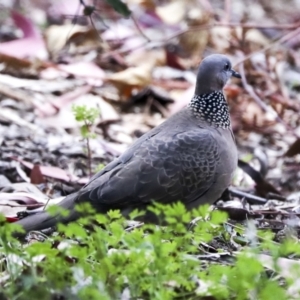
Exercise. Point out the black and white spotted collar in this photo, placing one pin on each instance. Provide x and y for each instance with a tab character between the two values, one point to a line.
212	108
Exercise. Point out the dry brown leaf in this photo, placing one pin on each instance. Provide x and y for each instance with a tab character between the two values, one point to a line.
294	149
132	78
56	36
19	66
173	12
256	39
252	114
90	39
194	42
59	36
36	176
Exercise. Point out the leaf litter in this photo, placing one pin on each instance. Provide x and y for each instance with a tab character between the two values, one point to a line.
138	71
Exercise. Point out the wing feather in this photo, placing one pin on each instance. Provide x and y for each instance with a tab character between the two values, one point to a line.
180	167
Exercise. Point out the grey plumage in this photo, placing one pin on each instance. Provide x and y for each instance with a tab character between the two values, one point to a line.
190	157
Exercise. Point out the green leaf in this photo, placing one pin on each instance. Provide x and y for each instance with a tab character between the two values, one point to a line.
120	7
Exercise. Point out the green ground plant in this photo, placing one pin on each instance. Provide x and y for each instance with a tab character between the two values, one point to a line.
87	118
100	257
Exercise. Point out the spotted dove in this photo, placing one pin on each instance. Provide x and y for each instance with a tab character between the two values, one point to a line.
190	158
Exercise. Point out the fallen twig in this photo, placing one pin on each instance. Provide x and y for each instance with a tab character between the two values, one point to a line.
252	199
22	205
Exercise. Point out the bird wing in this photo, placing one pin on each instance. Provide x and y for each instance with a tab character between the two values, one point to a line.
181	166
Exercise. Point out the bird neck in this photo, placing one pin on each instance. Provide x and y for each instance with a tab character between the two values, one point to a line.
211	108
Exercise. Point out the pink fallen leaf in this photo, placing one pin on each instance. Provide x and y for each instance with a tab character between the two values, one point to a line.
12	203
55	104
53	172
65	99
118	32
151	19
31	44
84	69
28	28
21	198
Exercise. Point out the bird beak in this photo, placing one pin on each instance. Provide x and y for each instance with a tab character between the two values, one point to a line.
235	74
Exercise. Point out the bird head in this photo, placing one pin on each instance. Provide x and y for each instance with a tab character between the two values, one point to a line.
213	73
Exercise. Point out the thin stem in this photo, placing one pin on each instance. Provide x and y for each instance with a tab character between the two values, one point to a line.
89	154
138	27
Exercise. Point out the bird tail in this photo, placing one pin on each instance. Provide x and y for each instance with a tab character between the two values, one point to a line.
43	220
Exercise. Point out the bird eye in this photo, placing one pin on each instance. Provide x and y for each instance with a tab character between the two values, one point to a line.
227	67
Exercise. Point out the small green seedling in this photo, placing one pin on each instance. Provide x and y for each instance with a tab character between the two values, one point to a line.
87	116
